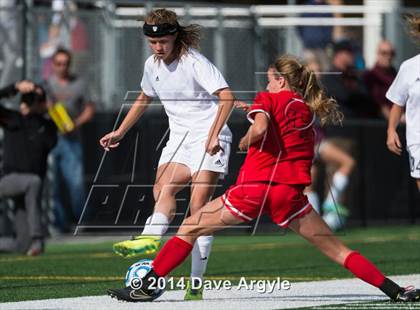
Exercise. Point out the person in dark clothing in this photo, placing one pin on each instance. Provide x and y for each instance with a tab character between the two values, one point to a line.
28	139
346	86
380	77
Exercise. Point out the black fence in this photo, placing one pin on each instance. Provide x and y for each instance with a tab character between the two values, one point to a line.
120	182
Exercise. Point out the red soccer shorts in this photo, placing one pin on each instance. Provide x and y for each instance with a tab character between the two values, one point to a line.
282	202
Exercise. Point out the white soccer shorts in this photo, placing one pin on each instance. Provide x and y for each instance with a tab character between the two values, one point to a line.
194	156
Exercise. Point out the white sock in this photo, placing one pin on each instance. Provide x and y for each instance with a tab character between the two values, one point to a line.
200	255
339	183
156	225
313	200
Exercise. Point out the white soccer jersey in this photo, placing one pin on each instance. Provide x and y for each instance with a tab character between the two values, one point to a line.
405	92
185	88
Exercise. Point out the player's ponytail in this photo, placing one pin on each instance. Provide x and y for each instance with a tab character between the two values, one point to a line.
326	108
303	80
187	36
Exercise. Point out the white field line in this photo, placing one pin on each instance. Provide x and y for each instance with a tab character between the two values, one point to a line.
301	294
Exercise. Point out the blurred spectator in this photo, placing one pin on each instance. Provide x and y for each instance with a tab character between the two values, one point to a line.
66	30
71	91
353	36
315	39
346	86
28	138
9	48
380	77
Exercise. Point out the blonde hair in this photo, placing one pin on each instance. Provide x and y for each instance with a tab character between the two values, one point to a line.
413	22
188	36
301	79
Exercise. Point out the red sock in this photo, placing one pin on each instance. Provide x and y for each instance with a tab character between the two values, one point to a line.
173	253
364	269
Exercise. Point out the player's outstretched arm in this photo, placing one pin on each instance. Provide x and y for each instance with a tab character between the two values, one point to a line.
111	140
393	141
225	108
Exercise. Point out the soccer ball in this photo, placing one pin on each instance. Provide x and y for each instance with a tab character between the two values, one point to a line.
139	270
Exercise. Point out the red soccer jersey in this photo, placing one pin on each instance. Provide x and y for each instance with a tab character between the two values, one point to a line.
286	152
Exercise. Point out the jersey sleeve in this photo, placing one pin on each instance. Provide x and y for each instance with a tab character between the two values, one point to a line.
146	84
398	91
262	104
208	76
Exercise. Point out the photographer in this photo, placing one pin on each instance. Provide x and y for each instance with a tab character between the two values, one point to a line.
28	138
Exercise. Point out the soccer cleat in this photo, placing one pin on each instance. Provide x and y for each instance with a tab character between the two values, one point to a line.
408	294
131	295
137	246
192	293
141	292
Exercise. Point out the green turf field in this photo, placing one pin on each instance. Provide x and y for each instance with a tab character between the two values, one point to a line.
88	269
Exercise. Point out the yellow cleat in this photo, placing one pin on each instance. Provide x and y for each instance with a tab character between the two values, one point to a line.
137	246
193	294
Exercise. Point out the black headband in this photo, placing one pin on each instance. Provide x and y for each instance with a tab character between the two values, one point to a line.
159	30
